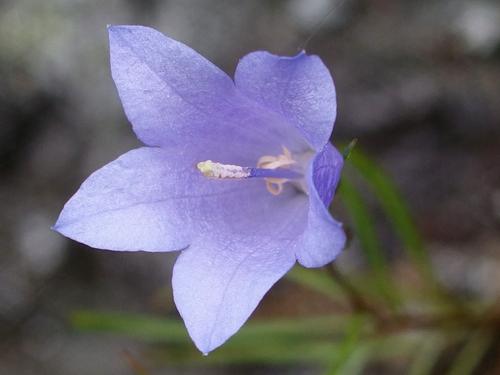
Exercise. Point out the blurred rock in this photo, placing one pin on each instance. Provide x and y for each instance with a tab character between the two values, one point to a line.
42	251
467	274
479	26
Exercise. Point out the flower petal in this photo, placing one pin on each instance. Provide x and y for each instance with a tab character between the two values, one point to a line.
300	88
173	96
146	200
219	280
218	283
128	205
323	238
155	199
326	168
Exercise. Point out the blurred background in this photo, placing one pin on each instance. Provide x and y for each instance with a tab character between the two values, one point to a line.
418	84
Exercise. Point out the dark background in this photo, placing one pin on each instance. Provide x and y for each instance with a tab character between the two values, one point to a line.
418	84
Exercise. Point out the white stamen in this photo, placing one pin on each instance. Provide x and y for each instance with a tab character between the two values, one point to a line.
219	170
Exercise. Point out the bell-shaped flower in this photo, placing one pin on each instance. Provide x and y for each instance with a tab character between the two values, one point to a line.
237	174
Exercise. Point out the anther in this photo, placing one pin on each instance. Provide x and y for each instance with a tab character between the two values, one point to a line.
218	170
274	185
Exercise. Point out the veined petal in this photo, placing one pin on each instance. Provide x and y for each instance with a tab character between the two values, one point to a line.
173	96
219	282
300	88
326	168
323	238
143	201
155	199
129	205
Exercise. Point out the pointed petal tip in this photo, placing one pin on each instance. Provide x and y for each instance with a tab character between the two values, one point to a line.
117	29
61	228
113	30
203	345
207	347
58	227
116	26
111	27
217	287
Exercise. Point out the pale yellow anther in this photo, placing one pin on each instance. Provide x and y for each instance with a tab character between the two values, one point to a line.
218	170
205	167
285	160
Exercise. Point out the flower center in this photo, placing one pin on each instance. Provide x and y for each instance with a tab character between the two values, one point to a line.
275	170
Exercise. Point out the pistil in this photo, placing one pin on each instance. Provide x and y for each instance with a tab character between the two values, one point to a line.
275	170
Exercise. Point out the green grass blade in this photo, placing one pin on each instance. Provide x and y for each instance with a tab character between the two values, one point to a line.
280	341
396	210
347	348
471	354
144	327
290	352
427	356
173	331
364	228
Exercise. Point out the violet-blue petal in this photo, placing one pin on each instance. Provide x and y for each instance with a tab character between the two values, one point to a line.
128	205
326	169
149	199
248	245
155	199
323	238
300	88
218	283
173	96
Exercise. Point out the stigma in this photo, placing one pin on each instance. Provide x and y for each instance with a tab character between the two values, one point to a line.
275	170
212	169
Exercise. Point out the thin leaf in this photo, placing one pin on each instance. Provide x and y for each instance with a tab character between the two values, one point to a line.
284	353
398	213
237	353
427	356
364	228
147	328
471	354
173	331
347	347
396	210
282	341
346	152
359	359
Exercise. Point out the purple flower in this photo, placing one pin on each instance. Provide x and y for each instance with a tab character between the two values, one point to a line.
236	174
